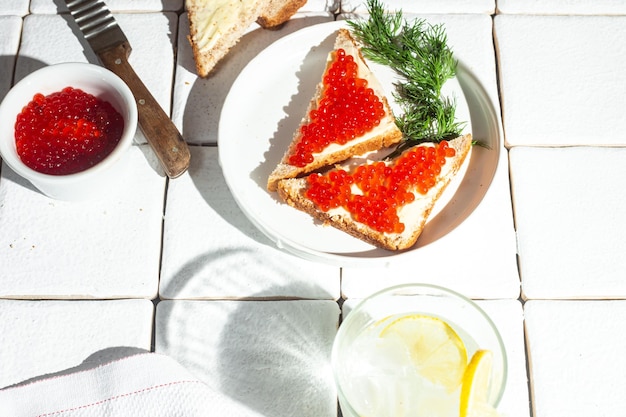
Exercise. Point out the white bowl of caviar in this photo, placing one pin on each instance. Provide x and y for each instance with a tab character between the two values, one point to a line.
66	127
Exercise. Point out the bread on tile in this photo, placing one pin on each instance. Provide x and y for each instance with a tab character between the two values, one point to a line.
413	215
277	12
383	135
215	26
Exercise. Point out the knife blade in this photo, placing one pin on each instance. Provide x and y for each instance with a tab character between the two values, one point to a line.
108	41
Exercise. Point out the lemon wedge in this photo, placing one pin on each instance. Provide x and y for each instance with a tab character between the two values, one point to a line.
475	388
435	349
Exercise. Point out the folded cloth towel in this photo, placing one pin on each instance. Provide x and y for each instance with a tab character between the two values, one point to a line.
147	384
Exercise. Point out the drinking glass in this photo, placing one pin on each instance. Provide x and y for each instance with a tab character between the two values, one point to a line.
371	382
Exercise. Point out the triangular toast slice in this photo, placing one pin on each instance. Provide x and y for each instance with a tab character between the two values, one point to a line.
325	113
348	204
215	26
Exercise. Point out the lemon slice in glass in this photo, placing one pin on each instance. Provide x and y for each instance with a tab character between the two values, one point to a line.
435	349
475	388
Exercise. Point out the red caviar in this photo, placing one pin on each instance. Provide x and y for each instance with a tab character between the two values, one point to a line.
347	108
67	131
382	188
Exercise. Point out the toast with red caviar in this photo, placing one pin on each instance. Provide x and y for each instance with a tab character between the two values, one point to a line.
385	203
349	115
215	26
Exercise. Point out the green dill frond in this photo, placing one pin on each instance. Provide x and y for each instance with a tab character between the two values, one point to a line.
419	53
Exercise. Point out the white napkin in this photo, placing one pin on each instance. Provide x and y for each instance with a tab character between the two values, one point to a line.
146	384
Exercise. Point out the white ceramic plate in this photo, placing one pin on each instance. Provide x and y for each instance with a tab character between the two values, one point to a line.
263	109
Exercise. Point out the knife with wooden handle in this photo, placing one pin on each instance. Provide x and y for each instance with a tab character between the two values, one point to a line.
108	41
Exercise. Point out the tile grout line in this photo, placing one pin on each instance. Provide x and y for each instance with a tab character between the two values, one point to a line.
521	297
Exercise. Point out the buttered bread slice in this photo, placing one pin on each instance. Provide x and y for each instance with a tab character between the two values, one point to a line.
215	26
349	115
384	203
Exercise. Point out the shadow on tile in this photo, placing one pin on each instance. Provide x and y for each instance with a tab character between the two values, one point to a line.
7	174
271	356
250	327
216	194
244	274
7	67
94	360
282	366
16	68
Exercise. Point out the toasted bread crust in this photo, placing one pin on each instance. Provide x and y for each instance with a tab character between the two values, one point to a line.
384	135
414	214
292	192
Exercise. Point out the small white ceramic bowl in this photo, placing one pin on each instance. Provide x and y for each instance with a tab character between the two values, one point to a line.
92	79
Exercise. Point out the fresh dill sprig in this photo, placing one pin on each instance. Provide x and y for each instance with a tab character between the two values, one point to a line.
418	52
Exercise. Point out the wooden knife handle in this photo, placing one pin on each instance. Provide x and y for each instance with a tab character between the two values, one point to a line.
159	130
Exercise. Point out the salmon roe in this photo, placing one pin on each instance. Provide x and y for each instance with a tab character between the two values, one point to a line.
66	132
347	109
374	193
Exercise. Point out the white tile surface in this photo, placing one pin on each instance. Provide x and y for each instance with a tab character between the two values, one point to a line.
210	249
10	32
92	258
569	217
270	356
557	73
425	6
40	338
596	7
483	246
508	317
47	6
561	79
198	102
151	35
477	258
576	357
107	247
39	46
14	7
